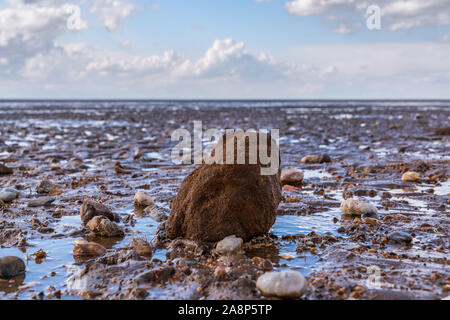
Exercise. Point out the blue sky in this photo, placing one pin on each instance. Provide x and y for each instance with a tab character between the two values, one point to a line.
225	49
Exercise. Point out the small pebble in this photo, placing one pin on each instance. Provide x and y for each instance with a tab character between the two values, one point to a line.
411	176
8	194
90	209
283	284
369	215
357	207
11	266
41	202
143	199
229	245
310	158
45	186
4	170
88	249
313	158
400	237
142	247
102	226
291	176
220	271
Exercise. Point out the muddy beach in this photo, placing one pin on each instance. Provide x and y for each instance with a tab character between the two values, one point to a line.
57	154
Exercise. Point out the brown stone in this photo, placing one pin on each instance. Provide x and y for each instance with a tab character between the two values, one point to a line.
219	200
11	266
45	186
142	247
90	209
103	227
4	170
88	249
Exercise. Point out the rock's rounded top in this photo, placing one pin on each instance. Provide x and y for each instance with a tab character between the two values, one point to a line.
246	148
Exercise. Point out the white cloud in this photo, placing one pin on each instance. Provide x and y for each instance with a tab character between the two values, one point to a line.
396	70
228	69
395	14
227	58
31	60
30	27
125	43
342	29
112	13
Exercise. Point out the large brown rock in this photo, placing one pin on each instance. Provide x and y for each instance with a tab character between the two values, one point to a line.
219	200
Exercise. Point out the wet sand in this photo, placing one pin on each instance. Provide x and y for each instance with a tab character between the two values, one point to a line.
77	147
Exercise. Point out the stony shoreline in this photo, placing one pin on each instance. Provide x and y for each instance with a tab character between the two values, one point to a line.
56	158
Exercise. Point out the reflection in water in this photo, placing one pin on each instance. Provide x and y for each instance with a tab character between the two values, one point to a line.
11	285
108	243
269	252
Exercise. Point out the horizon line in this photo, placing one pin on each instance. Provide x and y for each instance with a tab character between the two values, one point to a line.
214	100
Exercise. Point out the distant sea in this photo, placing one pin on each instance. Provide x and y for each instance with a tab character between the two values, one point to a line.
221	103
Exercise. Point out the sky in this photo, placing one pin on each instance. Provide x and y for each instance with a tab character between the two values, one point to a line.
224	49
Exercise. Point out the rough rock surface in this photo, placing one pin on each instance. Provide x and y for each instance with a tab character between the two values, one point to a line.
45	186
90	209
102	226
218	200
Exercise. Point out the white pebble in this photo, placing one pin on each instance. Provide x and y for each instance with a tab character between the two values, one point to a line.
411	176
283	284
310	158
142	198
79	241
357	207
229	245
